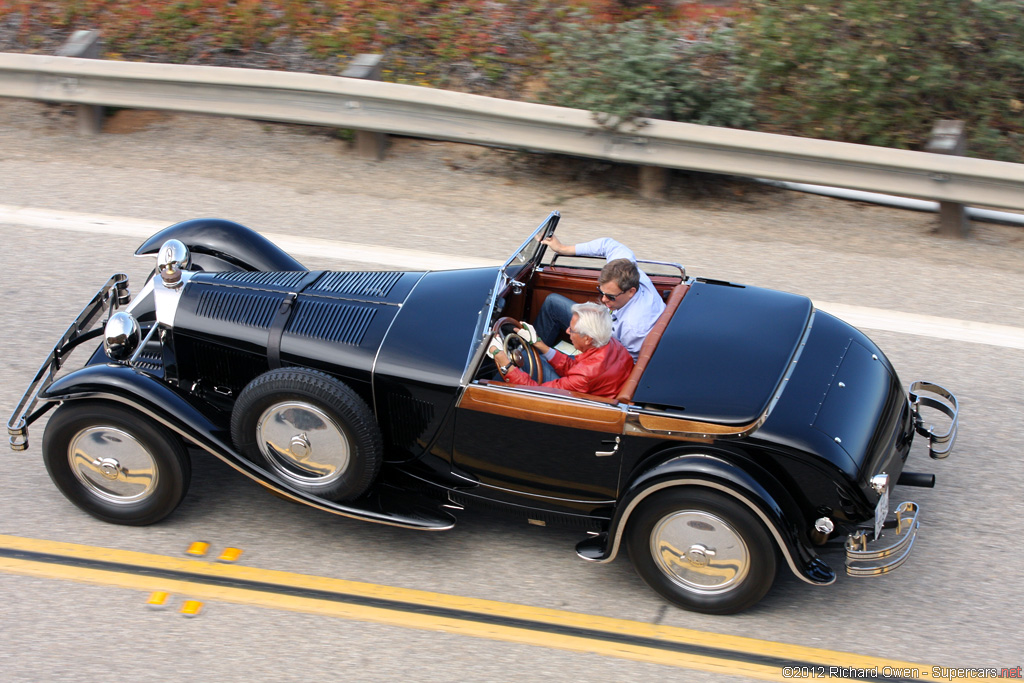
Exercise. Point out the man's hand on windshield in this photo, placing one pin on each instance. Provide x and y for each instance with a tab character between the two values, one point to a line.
556	246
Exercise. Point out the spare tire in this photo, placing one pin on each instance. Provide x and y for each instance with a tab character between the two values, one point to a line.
311	430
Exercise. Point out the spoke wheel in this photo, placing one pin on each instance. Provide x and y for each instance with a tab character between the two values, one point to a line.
115	463
311	430
701	550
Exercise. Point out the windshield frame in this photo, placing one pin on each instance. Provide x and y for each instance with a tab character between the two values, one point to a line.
530	252
529	255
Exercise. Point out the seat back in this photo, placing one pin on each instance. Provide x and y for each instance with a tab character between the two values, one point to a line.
625	394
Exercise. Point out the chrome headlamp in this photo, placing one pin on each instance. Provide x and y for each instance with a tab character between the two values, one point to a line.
172	258
122	336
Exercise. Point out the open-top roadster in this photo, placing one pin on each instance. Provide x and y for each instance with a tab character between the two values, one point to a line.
753	428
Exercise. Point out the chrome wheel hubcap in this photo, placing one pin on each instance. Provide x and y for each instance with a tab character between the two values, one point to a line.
302	443
700	551
113	464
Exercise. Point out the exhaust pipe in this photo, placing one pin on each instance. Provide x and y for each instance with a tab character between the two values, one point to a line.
916	479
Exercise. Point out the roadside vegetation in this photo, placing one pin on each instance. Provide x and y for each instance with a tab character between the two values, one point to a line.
878	72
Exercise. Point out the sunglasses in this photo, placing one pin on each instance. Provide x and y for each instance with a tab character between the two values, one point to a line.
606	295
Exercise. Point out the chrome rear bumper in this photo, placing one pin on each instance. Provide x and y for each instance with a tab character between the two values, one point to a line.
885	554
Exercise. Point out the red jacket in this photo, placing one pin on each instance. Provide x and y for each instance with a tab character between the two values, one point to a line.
600	372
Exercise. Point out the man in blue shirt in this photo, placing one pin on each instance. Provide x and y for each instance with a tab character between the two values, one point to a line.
626	290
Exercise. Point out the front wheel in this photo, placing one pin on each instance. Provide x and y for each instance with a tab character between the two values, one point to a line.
701	550
115	463
312	430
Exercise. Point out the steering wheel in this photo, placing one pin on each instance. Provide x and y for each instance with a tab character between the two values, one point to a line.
519	352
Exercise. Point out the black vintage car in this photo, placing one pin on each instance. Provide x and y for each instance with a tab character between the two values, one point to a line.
753	430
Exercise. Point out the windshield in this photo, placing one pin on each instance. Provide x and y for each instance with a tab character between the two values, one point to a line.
531	251
527	256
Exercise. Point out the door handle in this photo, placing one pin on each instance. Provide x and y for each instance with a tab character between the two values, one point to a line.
613	451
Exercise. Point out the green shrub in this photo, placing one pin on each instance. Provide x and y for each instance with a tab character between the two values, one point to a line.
641	69
881	72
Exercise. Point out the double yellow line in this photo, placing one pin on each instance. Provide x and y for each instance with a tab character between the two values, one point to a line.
633	640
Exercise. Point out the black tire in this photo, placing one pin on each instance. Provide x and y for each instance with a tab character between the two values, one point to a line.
701	550
115	463
311	430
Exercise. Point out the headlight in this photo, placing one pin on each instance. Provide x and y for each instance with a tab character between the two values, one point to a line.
172	258
122	336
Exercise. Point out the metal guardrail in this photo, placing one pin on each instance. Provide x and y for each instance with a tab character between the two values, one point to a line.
461	117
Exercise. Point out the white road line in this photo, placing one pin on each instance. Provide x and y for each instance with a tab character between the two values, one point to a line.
396	257
926	325
859	316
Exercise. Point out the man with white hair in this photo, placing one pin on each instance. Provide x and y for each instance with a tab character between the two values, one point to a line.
600	368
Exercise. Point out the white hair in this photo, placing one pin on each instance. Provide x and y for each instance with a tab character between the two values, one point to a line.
595	321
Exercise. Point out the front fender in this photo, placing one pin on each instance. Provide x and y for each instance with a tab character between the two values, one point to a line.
217	244
206	428
776	511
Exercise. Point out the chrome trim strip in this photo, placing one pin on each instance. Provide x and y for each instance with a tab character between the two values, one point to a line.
543	497
792	363
474	359
634	428
779	541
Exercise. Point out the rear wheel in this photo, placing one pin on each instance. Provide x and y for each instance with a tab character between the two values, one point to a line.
701	550
115	463
311	430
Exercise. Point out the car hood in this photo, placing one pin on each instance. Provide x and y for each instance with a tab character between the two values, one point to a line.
725	352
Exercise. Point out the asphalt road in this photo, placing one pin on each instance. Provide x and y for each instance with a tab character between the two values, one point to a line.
956	603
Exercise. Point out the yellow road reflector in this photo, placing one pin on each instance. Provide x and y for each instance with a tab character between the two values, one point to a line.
191	608
230	555
199	548
158	600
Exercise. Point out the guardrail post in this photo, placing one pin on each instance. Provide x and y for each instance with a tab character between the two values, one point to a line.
948	138
85	45
369	144
653	182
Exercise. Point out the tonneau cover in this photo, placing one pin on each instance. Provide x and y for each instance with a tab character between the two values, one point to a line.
724	352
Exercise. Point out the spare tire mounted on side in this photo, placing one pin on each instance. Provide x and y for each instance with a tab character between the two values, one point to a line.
311	430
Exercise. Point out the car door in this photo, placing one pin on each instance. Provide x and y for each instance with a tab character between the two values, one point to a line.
539	446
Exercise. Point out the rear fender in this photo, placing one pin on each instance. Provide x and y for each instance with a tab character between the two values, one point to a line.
774	508
209	431
220	245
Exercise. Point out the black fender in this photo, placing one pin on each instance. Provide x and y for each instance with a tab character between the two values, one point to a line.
220	245
206	429
776	510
